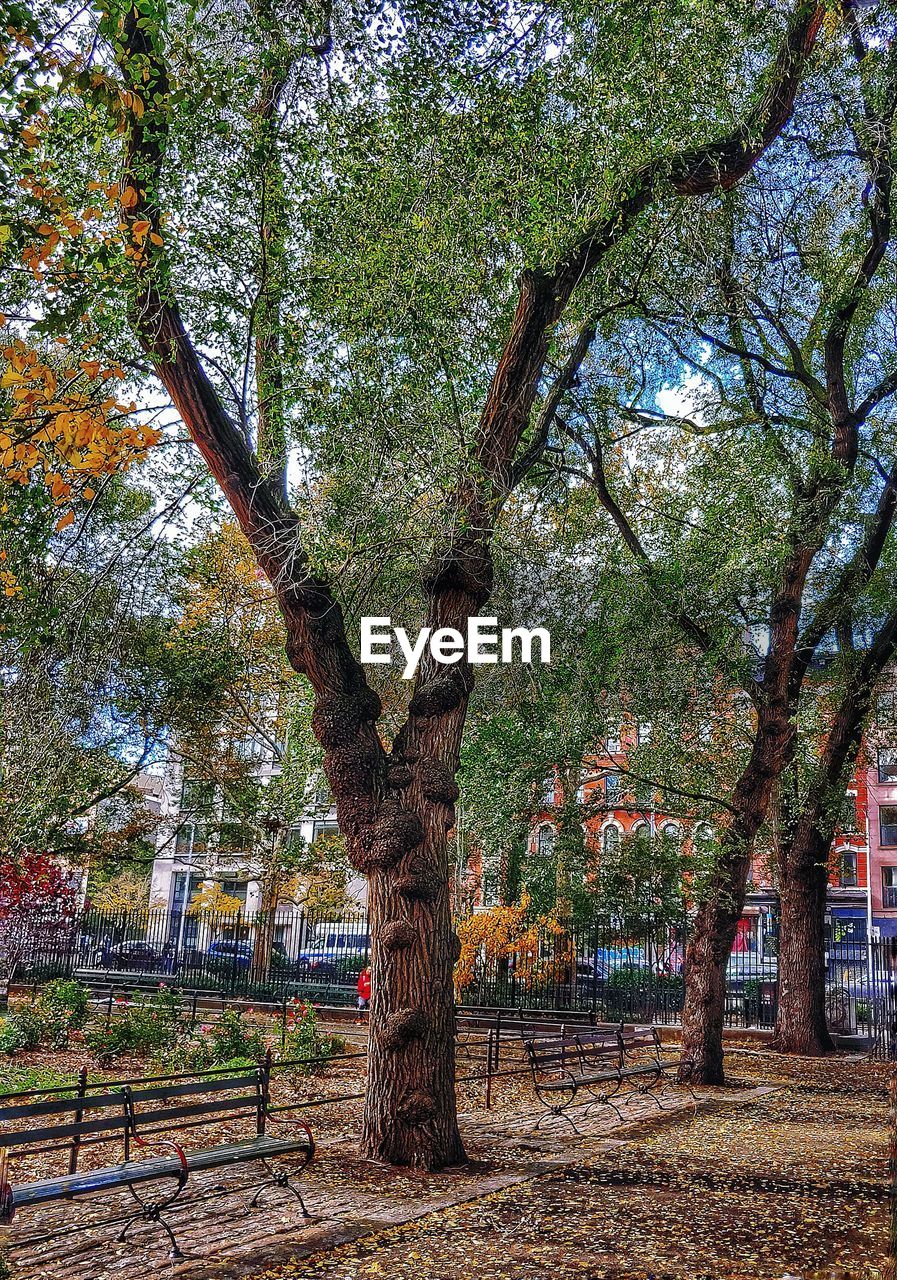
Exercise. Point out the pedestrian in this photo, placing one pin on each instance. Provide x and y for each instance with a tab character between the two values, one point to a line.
364	988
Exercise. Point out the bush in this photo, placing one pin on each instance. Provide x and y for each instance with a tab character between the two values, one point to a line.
229	1041
148	1024
304	1040
20	1030
63	1005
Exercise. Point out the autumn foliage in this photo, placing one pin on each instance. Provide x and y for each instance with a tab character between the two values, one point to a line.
38	903
512	933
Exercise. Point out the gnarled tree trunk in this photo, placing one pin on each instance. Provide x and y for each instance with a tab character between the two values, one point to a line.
800	1019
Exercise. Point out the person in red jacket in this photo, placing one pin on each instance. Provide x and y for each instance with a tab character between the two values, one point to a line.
364	988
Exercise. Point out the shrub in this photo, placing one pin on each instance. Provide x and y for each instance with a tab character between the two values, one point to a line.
148	1024
11	1039
20	1030
63	1005
229	1041
304	1040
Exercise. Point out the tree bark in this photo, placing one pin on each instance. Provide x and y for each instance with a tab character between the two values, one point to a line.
714	927
800	1019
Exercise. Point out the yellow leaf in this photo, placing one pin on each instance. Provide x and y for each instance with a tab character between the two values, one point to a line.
64	521
89	495
128	198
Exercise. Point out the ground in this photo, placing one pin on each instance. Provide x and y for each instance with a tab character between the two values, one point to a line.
783	1175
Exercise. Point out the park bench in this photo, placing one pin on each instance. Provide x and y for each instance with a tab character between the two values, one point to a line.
642	1061
141	1114
601	1063
564	1063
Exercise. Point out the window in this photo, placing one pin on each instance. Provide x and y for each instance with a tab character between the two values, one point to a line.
703	838
613	746
612	786
887	820
581	793
196	796
889	886
643	732
323	797
610	840
671	831
641	831
886	709
235	889
848	869
184	888
548	792
545	842
190	840
887	764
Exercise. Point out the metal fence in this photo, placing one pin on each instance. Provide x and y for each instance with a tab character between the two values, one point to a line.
296	953
610	968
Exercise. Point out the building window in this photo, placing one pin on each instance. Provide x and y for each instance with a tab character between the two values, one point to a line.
887	819
235	889
889	886
197	796
848	869
703	838
886	709
887	764
190	841
611	787
613	746
545	842
641	831
610	841
643	732
671	831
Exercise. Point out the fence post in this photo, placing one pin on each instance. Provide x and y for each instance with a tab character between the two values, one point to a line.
79	1113
497	1037
489	1052
283	1029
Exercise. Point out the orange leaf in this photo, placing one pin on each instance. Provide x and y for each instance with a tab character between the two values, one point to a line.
64	521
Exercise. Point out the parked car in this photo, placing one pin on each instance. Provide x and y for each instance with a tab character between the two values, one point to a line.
237	953
136	956
335	954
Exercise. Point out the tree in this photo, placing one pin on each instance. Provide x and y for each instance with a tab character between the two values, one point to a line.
396	804
772	539
38	904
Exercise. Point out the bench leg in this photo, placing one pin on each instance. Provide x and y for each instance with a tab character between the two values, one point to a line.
279	1181
152	1212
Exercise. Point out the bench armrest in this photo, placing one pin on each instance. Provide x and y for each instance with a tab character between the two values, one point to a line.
277	1117
132	1134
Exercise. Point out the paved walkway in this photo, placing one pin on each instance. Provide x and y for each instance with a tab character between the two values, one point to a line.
348	1199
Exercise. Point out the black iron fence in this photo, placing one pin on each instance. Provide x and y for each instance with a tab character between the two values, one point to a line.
295	953
609	968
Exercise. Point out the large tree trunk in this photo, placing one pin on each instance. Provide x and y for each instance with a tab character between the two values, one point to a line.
800	1020
410	1110
714	927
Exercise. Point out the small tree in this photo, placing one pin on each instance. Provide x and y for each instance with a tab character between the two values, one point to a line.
38	906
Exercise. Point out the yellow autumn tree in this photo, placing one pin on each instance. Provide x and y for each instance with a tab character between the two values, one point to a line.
211	900
511	933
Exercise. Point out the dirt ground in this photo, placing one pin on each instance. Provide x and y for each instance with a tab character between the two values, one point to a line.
794	1184
783	1176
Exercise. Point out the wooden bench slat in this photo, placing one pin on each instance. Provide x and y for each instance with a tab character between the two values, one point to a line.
56	1106
37	1137
235	1084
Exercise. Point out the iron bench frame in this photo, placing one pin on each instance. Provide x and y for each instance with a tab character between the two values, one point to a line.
563	1064
138	1113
